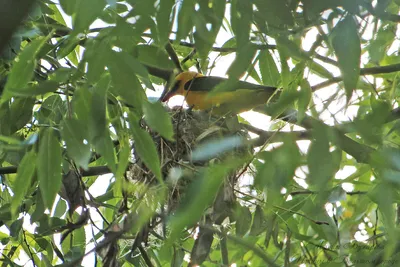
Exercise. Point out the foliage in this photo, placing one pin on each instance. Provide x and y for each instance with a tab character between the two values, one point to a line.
320	187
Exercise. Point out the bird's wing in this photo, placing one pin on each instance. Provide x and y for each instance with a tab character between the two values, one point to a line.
208	83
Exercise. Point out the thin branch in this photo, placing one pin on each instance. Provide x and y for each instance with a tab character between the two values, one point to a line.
326	83
380	69
92	171
363	71
174	57
362	153
309	192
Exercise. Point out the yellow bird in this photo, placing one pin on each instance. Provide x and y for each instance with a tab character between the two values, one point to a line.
197	90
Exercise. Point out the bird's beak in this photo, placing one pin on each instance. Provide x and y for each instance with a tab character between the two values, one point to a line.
166	95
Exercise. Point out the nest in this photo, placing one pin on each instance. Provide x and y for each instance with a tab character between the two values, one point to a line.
192	128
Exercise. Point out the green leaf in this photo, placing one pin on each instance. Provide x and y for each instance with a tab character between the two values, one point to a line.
158	119
319	159
52	110
318	69
86	12
201	194
20	113
98	120
145	148
152	55
337	194
98	124
123	162
68	45
36	89
346	42
383	194
304	99
291	48
77	241
285	101
276	13
62	75
268	69
243	220
94	55
177	258
39	208
126	84
185	13
22	69
22	183
60	209
81	105
314	7
74	135
278	167
16	227
242	61
68	6
259	223
241	18
378	47
164	21
49	166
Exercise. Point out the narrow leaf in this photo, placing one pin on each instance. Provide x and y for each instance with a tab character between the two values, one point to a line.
23	181
185	14
74	135
158	119
49	166
145	148
22	69
304	99
86	12
268	69
163	19
346	42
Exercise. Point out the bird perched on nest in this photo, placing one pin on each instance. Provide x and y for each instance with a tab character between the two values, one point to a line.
198	92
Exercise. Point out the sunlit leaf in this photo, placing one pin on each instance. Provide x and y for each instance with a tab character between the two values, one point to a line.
22	69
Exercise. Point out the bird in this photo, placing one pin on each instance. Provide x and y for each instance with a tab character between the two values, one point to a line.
198	92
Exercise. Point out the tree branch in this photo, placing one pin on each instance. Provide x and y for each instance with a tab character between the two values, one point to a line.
309	192
360	152
92	171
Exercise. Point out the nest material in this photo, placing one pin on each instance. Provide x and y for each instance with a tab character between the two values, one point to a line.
192	128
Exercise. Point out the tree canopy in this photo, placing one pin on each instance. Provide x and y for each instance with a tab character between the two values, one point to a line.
315	182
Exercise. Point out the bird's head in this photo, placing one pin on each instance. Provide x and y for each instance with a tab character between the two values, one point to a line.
178	87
